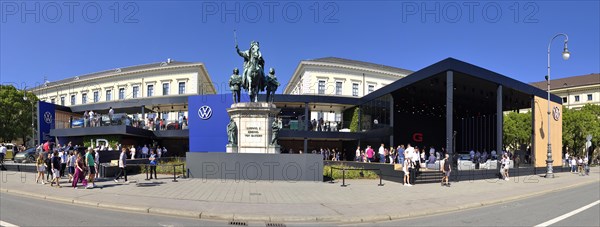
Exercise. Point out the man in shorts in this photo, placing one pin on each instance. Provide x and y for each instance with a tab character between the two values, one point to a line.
446	170
90	162
55	163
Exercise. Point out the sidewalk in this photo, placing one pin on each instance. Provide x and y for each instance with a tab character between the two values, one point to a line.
361	200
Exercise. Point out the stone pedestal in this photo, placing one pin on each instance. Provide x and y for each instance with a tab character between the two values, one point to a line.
254	120
231	149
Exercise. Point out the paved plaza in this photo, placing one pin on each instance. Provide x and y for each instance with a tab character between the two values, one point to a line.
360	201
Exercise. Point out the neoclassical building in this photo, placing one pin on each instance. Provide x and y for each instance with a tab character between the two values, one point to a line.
129	86
575	91
339	77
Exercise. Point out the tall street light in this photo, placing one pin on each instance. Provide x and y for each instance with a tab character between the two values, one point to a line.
565	54
32	120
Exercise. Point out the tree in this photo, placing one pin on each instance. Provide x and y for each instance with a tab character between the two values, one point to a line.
577	124
15	113
517	130
354	122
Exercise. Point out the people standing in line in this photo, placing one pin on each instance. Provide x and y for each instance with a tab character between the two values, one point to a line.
71	159
122	166
63	161
446	171
41	167
406	166
370	154
97	163
153	163
79	171
91	167
55	170
48	162
400	151
132	151
145	151
381	153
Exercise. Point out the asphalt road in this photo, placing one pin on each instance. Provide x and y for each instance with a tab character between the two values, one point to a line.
527	212
24	211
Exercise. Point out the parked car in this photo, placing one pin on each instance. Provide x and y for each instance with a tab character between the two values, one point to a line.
27	156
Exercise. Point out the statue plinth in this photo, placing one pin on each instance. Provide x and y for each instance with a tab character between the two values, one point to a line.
254	120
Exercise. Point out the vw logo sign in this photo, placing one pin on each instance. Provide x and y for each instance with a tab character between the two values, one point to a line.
556	113
48	117
205	112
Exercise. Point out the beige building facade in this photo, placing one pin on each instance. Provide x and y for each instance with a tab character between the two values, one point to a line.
575	91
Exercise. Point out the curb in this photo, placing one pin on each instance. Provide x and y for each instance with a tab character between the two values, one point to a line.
267	218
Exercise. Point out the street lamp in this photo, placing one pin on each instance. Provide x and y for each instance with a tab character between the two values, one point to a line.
32	121
565	54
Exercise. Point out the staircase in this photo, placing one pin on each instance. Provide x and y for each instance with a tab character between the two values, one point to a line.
427	177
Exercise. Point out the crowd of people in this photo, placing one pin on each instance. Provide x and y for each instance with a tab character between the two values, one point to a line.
578	164
152	122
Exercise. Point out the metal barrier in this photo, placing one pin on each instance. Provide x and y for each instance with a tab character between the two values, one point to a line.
146	169
344	175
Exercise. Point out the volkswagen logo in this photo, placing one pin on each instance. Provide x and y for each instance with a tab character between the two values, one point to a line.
556	113
205	112
48	117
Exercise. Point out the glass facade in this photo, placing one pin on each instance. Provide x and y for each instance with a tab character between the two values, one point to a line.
375	114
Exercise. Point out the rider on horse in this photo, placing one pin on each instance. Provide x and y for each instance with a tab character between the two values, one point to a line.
253	63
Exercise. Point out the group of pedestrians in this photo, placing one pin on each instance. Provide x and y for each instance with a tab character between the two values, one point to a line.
81	167
579	165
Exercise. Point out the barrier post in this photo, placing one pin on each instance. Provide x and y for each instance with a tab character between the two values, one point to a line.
331	174
380	182
147	173
344	178
174	177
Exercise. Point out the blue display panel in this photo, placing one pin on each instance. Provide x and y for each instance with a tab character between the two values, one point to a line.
208	121
45	120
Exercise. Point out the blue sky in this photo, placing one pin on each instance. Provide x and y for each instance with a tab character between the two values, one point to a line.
509	37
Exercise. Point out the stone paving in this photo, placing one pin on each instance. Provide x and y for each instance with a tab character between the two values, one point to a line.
361	200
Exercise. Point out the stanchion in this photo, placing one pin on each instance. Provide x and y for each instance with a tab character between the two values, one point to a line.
331	174
343	178
380	181
174	177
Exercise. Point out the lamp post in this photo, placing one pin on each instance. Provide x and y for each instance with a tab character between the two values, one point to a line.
32	120
565	54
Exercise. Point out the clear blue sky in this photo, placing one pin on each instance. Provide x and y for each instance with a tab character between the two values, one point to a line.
402	34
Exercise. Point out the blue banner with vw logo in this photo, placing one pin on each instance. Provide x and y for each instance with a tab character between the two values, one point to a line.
46	116
208	121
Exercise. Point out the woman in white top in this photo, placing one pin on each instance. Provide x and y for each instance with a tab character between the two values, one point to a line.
407	163
132	151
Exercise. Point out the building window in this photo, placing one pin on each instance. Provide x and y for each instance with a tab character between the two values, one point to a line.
108	95
371	88
589	97
121	93
338	88
84	98
166	89
355	89
72	100
564	99
181	88
150	90
52	101
96	96
136	91
321	87
338	117
577	98
62	100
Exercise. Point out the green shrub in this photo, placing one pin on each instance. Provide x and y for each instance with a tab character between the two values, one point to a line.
351	172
